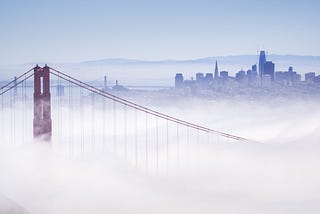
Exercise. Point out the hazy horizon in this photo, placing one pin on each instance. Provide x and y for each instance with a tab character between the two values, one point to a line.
85	30
110	127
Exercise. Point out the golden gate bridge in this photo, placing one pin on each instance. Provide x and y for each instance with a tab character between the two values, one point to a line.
90	119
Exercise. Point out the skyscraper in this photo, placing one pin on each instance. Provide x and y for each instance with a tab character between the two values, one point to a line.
269	69
216	72
262	61
254	68
290	70
179	80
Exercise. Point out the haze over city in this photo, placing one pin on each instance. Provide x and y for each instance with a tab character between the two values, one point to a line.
159	106
73	31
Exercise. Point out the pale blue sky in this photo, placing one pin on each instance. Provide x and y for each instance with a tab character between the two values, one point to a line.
76	30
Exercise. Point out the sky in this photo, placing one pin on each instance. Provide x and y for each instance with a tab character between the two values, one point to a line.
79	30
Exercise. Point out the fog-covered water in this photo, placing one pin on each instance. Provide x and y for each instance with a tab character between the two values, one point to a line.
276	174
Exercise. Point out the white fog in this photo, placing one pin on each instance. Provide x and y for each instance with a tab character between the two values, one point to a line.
275	173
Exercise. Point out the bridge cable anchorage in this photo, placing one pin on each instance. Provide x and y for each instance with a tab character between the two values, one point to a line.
144	109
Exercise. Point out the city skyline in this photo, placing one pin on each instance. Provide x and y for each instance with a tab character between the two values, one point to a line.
68	31
170	106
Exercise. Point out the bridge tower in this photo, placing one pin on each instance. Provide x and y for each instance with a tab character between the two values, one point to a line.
42	124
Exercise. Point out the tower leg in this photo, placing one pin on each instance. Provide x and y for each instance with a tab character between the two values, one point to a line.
42	124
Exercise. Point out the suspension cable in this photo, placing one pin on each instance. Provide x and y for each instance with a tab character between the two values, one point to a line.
142	108
17	83
14	80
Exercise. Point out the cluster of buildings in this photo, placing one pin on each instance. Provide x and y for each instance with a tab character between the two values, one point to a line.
261	75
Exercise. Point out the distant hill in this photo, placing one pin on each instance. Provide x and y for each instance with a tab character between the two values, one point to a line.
248	59
161	72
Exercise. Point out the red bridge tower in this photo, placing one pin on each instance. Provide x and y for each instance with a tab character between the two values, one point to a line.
42	125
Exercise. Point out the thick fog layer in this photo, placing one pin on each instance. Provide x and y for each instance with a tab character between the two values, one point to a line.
277	173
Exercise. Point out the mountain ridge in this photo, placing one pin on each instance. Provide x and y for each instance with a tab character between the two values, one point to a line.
210	59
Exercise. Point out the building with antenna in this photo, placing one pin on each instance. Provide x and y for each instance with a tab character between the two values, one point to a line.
262	61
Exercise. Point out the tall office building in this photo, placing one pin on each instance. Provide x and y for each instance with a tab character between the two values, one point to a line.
224	75
262	61
268	69
309	77
216	72
254	68
179	80
208	78
290	70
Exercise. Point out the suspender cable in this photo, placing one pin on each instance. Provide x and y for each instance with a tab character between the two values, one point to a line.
150	111
147	158
136	136
12	86
24	99
81	121
114	127
198	136
167	152
178	143
70	120
25	104
59	88
157	146
22	112
11	137
92	122
15	80
71	115
188	140
188	146
125	130
104	123
2	121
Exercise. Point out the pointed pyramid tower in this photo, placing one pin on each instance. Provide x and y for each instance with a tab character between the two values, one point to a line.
216	72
